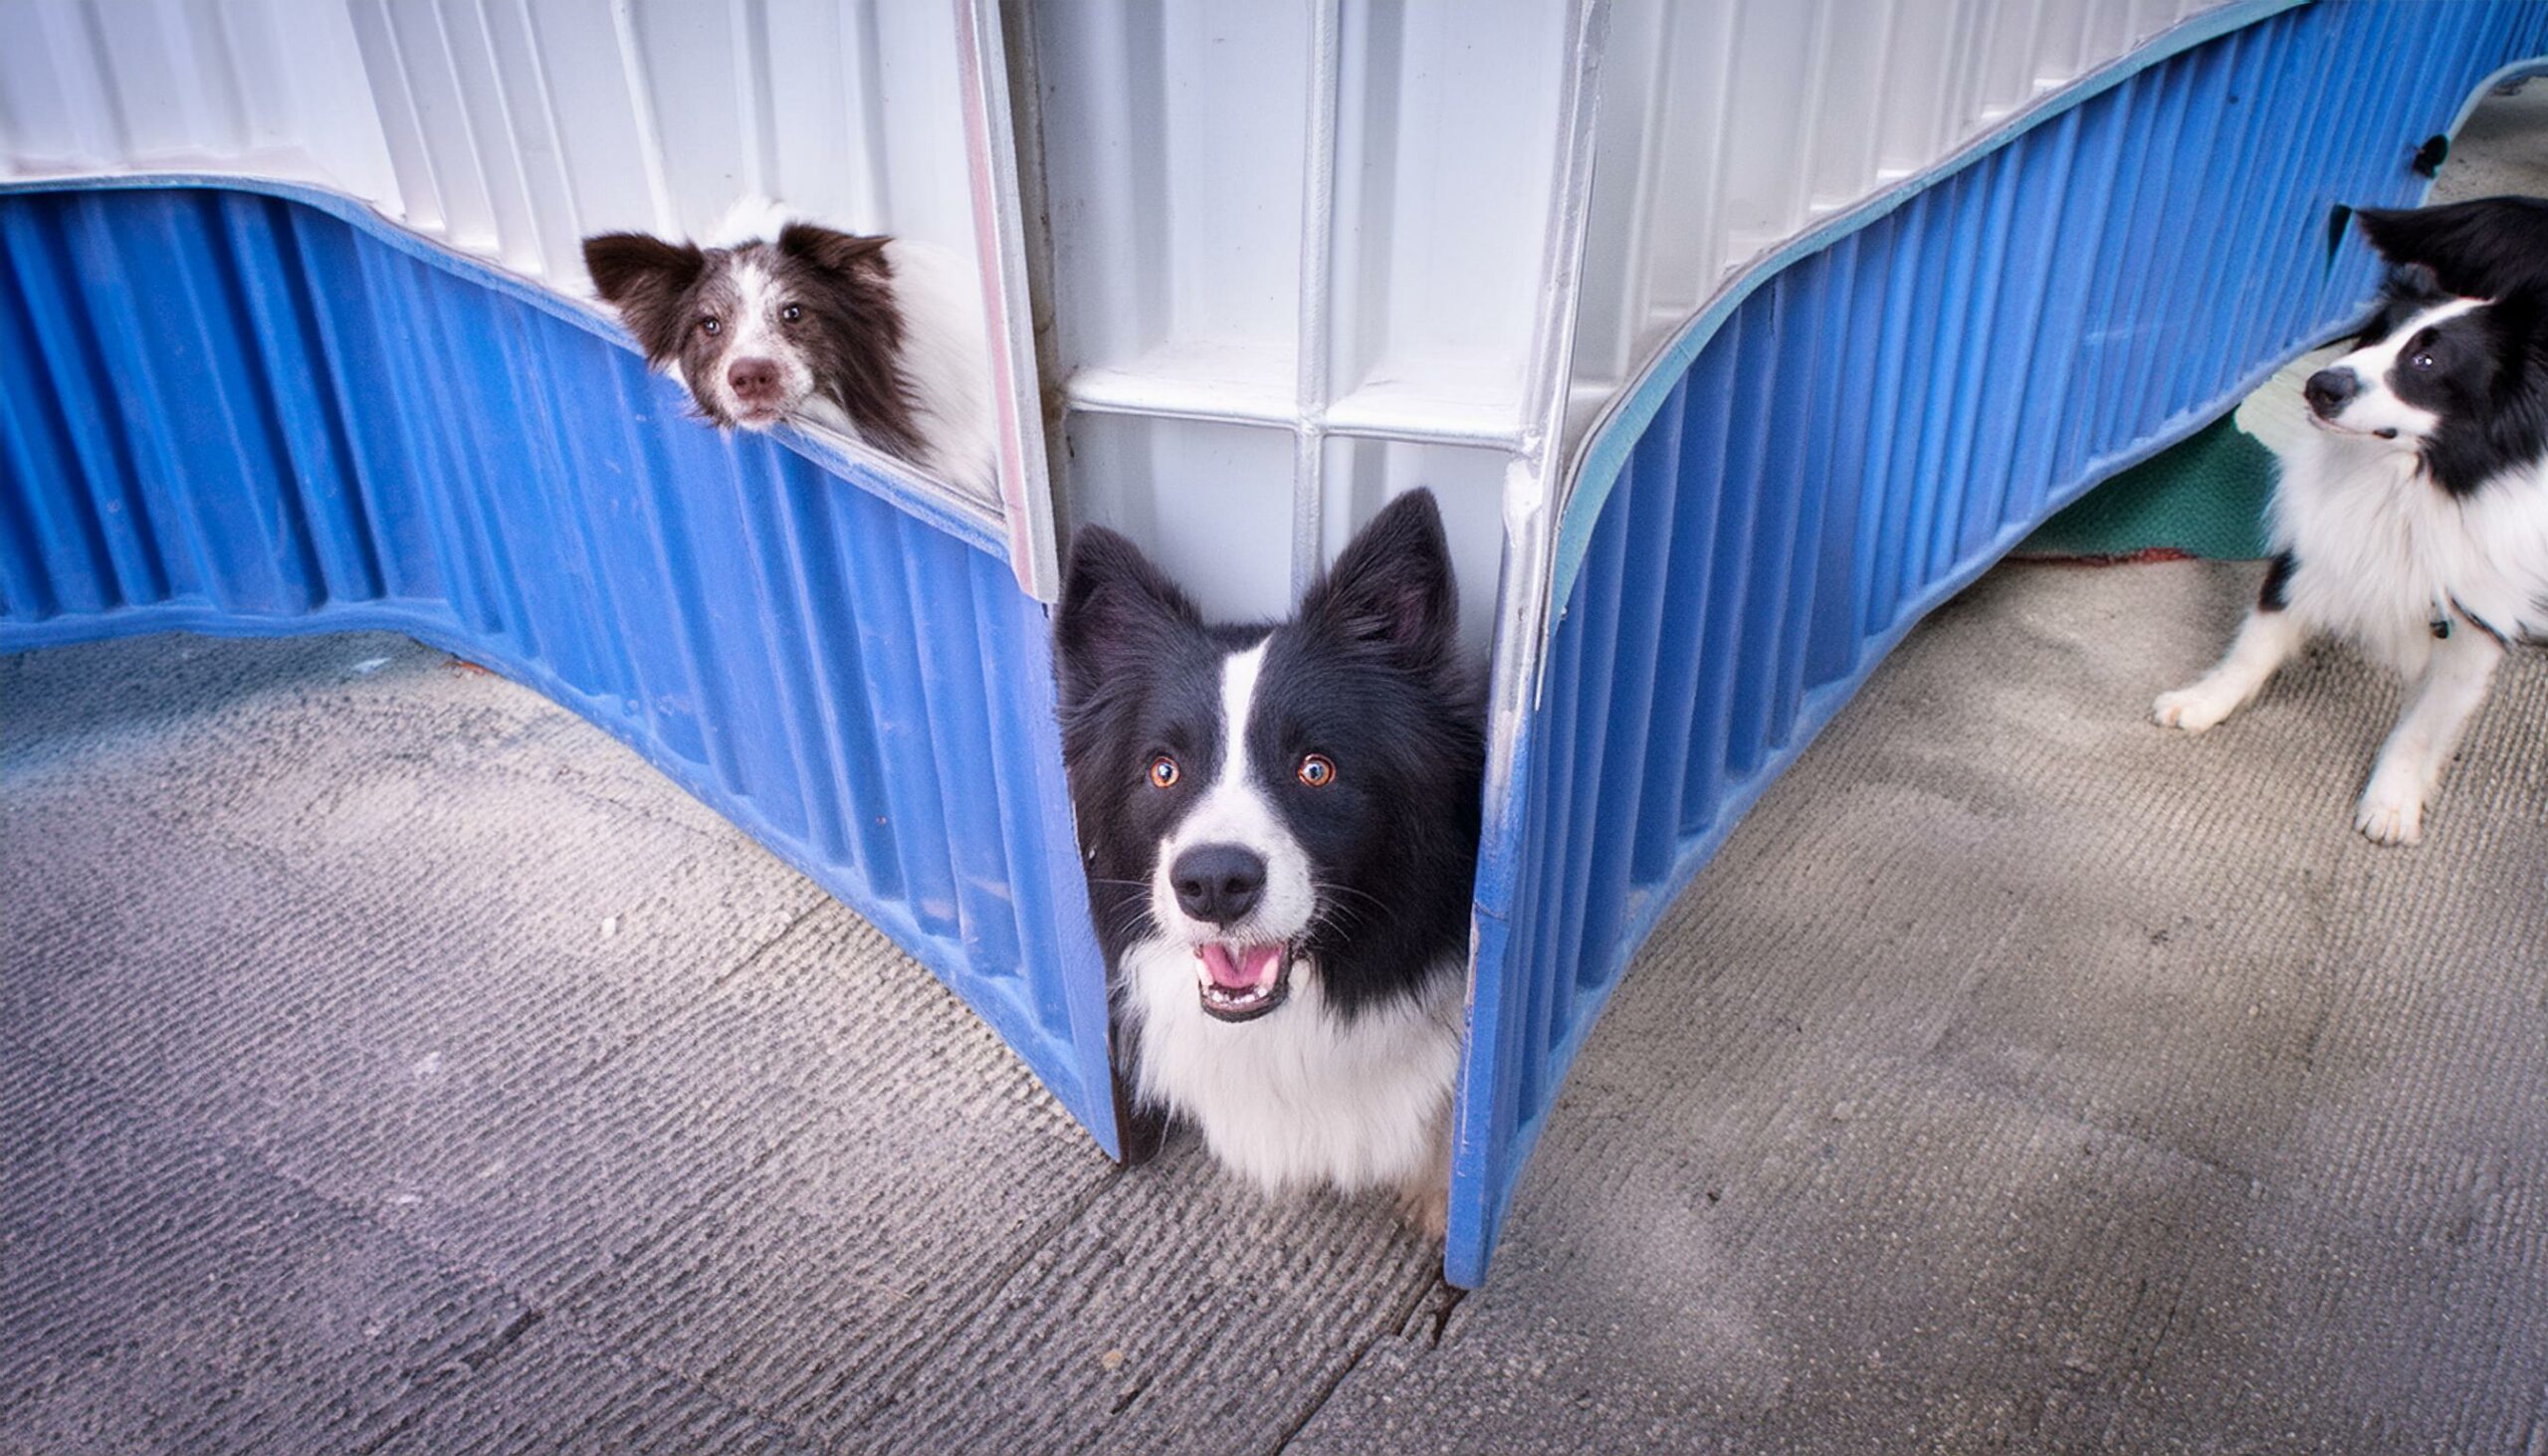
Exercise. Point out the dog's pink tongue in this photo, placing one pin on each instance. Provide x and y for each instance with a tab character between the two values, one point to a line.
1243	971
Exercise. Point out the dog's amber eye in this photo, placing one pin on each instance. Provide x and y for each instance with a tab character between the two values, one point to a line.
1317	771
792	312
1162	772
711	326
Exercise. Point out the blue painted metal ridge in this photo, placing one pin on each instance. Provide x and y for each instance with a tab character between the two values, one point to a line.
239	413
1873	424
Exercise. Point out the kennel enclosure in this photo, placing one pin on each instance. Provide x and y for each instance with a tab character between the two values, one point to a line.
1732	338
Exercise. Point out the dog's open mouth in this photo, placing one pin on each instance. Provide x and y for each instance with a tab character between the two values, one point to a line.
2332	428
1242	982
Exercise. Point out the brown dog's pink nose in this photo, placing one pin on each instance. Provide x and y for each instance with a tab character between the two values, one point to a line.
754	381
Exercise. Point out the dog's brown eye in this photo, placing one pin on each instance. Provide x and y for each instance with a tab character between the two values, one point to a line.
792	312
1162	772
2422	361
711	326
1317	771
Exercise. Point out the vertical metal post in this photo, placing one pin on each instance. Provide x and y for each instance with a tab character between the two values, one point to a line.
999	249
1533	508
1533	482
1318	244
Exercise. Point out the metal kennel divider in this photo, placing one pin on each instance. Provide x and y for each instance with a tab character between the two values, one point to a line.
1733	336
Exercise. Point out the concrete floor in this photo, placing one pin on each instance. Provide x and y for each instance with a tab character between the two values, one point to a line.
390	1061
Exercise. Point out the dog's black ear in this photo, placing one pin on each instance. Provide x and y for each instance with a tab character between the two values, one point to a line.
830	247
2392	232
645	279
1114	602
2417	283
1393	585
2479	249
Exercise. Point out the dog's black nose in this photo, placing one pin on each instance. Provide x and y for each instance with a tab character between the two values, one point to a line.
1220	883
754	379
2328	390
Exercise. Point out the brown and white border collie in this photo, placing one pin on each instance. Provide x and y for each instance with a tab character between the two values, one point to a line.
777	318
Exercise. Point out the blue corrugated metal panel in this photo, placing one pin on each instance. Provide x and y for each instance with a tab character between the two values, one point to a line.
1876	423
236	413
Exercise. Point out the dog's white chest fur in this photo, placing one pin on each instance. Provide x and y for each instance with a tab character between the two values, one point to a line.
2382	551
1300	1097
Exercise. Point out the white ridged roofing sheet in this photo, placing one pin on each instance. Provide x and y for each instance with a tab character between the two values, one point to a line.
508	129
1729	127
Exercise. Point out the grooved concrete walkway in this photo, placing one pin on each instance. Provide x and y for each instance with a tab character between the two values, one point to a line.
390	1062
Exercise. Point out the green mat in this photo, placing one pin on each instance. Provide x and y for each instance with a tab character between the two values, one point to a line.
2202	496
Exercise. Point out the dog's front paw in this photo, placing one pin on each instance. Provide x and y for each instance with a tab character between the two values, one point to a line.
2391	811
2192	709
1426	1209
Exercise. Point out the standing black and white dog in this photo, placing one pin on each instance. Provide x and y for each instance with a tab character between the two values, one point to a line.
775	318
1280	824
2414	519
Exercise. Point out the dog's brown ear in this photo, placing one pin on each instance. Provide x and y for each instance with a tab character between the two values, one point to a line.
1392	587
645	279
857	314
837	251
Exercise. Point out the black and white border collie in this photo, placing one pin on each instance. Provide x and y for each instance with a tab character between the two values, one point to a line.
775	318
2414	519
1280	824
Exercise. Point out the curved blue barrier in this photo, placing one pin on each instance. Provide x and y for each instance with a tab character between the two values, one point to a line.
224	411
1866	429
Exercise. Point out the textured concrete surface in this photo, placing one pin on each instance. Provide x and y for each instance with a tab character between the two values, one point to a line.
2025	1078
2500	149
388	1061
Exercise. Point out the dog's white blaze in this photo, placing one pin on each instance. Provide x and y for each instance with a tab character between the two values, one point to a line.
1234	810
755	332
2377	407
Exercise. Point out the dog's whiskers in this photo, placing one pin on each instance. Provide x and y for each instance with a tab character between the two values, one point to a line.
1326	888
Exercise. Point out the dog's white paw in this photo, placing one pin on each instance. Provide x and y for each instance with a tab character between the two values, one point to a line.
1425	1207
2192	709
2391	811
